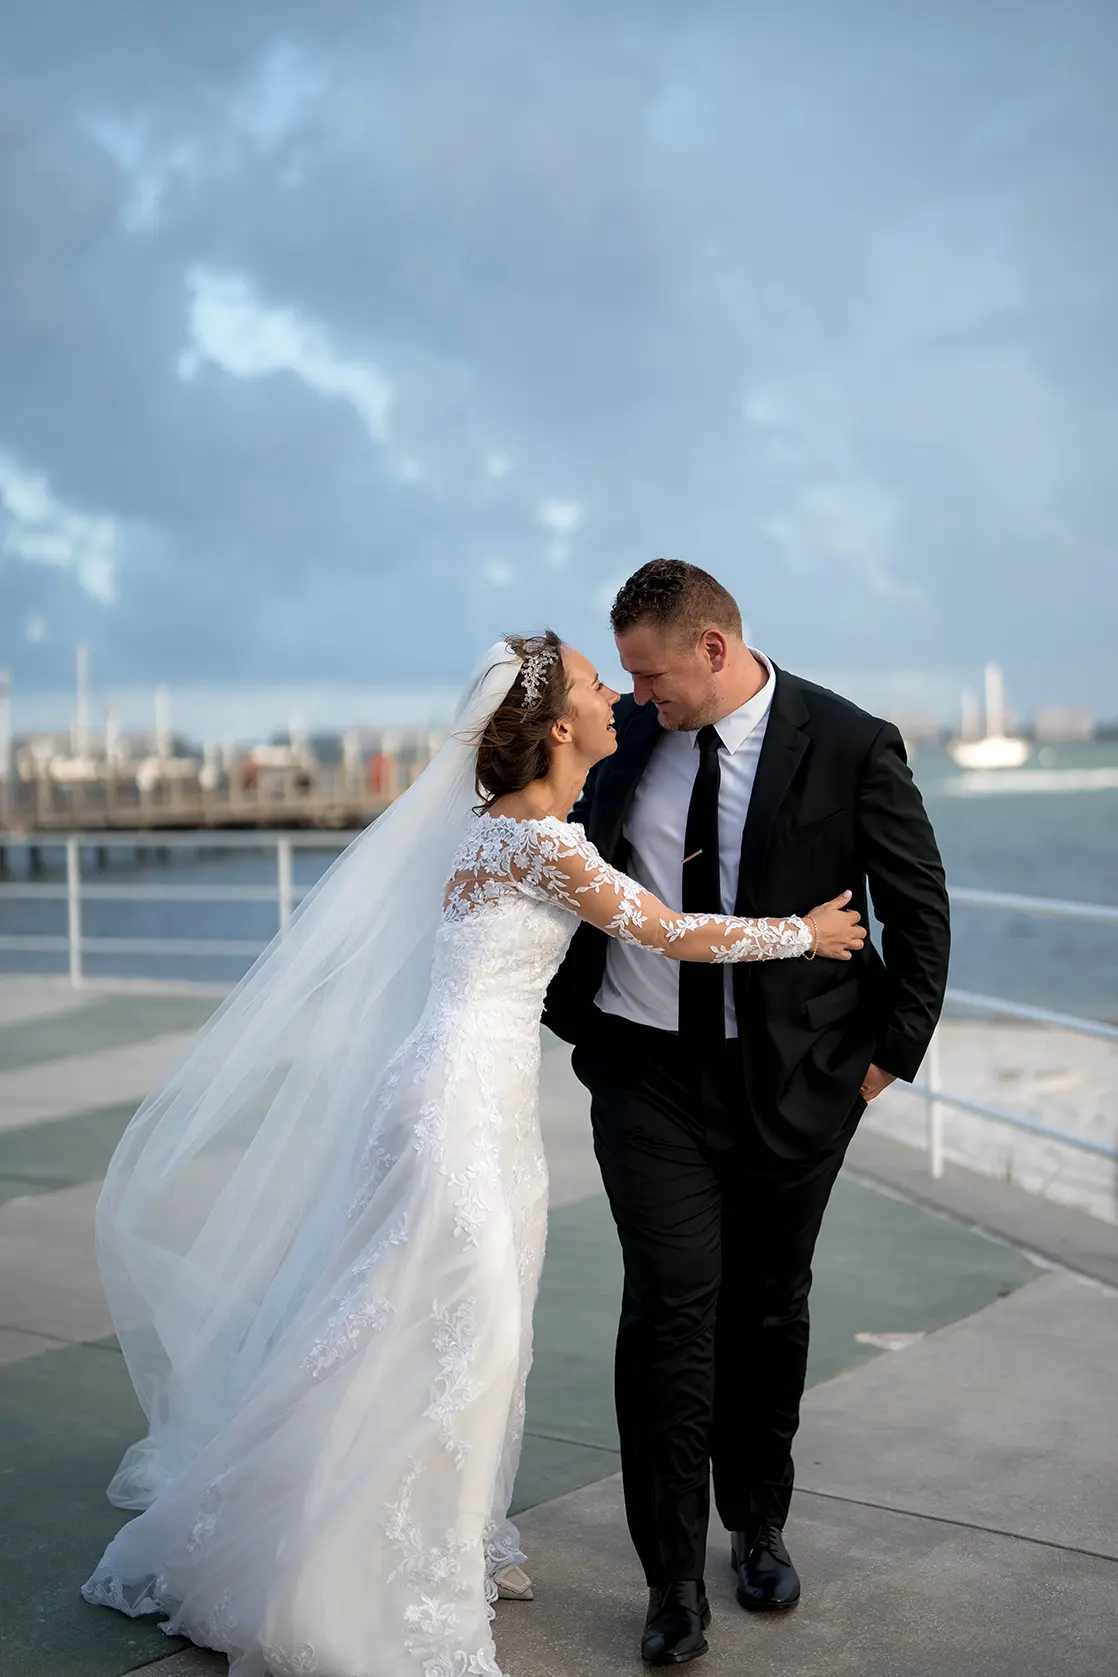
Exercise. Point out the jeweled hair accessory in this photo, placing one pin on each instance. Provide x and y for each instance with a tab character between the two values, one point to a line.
534	671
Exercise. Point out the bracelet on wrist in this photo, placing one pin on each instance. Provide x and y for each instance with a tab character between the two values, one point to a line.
810	954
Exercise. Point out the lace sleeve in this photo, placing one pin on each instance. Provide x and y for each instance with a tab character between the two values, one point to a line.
567	868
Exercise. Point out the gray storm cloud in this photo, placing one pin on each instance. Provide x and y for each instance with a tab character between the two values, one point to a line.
335	339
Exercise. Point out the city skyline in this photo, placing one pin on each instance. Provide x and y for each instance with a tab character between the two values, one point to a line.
237	712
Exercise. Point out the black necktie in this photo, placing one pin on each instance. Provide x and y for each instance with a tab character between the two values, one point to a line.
701	990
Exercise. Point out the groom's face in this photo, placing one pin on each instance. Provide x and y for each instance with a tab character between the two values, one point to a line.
672	672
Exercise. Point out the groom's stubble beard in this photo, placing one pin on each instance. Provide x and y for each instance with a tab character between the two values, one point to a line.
708	708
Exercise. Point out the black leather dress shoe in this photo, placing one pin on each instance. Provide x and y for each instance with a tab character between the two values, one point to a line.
678	1614
766	1577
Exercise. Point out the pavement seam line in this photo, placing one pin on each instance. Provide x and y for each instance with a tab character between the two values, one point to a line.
97	1341
25	1176
1035	1254
576	1443
34	1333
207	1654
964	1525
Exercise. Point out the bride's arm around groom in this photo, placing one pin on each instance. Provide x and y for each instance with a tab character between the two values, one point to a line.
833	805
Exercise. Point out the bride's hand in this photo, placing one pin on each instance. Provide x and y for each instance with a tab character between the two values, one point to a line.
838	929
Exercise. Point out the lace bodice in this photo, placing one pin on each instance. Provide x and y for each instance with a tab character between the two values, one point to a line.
552	862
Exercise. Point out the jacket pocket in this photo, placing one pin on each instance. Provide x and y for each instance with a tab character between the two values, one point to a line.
833	1004
819	827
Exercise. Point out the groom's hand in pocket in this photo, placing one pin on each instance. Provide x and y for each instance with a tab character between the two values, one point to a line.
874	1082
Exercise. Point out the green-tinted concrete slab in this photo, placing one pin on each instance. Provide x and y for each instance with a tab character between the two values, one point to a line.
108	1022
551	1467
1060	1233
65	1417
61	1153
47	1262
882	1266
570	1389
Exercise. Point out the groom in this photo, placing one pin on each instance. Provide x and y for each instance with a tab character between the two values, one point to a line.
723	1098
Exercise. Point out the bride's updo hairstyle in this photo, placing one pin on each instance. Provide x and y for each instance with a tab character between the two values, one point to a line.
514	749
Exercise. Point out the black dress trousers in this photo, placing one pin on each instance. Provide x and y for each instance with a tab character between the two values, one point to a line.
717	1234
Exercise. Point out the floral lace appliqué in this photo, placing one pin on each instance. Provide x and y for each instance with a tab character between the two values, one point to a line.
554	861
201	1534
454	1342
355	1315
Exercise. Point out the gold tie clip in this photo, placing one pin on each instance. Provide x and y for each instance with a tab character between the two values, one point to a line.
692	856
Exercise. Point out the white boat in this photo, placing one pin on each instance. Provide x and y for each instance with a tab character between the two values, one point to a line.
995	749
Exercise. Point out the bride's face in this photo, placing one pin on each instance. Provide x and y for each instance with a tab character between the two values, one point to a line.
590	719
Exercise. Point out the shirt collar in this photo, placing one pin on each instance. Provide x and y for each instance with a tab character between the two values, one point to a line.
735	729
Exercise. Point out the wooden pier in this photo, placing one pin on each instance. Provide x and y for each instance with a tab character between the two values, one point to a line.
282	799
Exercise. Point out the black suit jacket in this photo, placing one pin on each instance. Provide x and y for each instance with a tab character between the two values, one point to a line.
834	806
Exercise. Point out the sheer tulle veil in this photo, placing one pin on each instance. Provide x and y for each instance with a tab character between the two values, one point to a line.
223	1194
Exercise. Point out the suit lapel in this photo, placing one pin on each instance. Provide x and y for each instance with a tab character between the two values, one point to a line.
783	749
618	778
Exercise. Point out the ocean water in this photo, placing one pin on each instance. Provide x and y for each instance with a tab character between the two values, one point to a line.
996	833
1056	841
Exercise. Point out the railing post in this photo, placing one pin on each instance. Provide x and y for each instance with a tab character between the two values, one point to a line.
933	1108
284	882
74	909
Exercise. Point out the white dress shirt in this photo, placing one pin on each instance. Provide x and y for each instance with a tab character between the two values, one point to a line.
637	985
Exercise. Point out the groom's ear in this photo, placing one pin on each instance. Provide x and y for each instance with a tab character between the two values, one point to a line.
714	644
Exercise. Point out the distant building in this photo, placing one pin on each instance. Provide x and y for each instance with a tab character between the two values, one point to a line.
1055	725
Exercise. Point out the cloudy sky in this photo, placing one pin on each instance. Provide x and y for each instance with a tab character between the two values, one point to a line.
338	337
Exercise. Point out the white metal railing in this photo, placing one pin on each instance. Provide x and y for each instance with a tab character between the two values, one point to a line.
1050	907
75	945
931	1089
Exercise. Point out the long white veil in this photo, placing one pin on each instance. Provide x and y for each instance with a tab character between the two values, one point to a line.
221	1200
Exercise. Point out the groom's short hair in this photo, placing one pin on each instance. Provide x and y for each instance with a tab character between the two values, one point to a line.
676	598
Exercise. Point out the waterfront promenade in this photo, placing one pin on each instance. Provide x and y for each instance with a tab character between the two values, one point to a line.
956	1509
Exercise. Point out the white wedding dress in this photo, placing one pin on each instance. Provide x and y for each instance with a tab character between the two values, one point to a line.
347	1517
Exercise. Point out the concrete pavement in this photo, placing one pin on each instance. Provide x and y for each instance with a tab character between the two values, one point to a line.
956	1508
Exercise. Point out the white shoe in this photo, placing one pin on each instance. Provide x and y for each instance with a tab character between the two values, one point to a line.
513	1584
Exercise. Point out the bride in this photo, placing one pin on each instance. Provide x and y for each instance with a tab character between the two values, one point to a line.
321	1238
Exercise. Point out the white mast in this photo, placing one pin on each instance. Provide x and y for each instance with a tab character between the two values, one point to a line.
163	723
112	735
995	702
81	719
351	758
